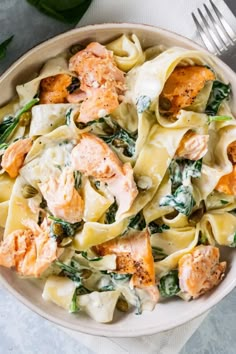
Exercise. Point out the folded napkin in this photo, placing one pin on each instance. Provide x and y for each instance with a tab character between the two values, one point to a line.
175	16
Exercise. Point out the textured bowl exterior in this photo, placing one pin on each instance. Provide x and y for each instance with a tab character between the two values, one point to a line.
168	314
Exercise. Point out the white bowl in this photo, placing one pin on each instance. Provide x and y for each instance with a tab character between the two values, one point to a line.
168	314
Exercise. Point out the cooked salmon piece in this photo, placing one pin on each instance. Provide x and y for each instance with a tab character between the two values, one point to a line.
232	152
227	183
14	156
53	89
29	251
133	256
63	200
100	79
200	270
93	157
193	146
182	87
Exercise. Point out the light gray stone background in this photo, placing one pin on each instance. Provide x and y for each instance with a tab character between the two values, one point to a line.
21	330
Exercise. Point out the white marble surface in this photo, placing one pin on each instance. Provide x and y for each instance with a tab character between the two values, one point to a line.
23	332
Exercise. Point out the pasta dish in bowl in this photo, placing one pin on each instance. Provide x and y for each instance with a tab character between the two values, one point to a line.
118	180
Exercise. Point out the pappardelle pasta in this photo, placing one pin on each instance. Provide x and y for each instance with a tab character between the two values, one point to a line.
118	177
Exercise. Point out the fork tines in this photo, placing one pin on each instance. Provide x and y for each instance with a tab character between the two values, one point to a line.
216	33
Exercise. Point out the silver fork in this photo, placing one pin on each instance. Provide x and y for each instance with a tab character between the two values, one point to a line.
217	35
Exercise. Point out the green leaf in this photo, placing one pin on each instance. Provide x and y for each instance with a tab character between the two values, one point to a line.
121	277
90	259
137	222
78	179
218	118
110	216
9	124
169	284
182	200
219	92
181	171
202	239
3	47
158	254
69	11
68	116
157	229
73	306
3	146
224	201
143	103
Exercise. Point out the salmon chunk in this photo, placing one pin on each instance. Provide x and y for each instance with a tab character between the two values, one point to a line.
62	198
193	146
14	156
100	79
93	157
227	183
182	87
53	89
29	251
134	256
200	270
232	152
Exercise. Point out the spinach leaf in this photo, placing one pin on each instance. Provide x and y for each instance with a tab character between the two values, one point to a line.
73	306
182	200
138	306
3	47
61	228
68	116
82	125
94	259
158	254
78	179
75	84
224	201
70	11
181	171
109	287
121	277
143	103
219	92
10	123
233	244
157	229
137	222
169	284
202	239
110	216
71	272
3	146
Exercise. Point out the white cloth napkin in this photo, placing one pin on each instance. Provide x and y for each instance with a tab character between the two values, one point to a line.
174	15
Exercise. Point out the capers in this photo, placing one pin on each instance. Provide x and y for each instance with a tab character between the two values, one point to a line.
86	273
122	305
29	191
164	103
57	229
66	242
76	48
25	119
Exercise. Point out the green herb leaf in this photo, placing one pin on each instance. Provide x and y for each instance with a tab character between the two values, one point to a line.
78	179
157	229
3	47
143	103
121	277
110	216
169	284
218	118
68	116
73	306
224	201
137	222
219	92
90	259
182	200
181	171
70	11
3	146
10	123
158	254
